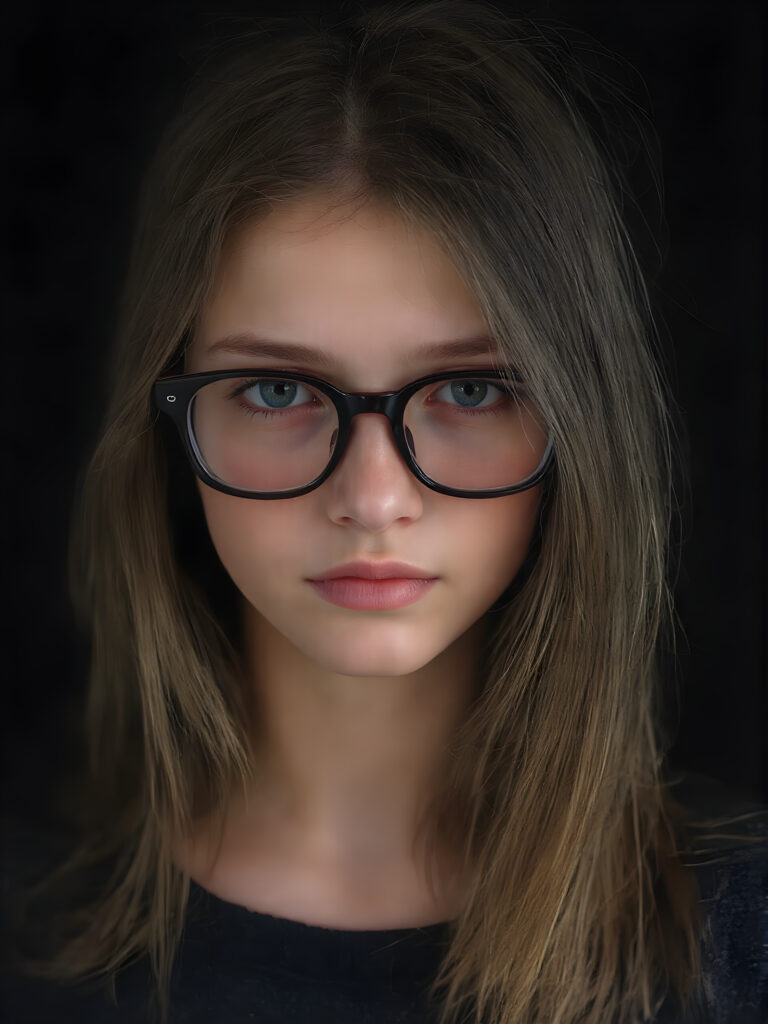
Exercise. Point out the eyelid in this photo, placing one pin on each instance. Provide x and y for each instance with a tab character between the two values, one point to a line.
335	382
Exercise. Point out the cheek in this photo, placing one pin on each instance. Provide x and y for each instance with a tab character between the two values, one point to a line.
250	537
494	542
479	546
499	531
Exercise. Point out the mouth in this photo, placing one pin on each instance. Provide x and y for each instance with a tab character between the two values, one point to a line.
378	594
371	570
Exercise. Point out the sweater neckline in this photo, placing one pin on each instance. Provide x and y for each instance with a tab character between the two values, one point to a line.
264	942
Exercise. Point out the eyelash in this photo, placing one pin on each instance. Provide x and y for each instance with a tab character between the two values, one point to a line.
253	411
267	414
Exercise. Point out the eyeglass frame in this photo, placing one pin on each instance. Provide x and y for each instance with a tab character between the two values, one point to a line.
173	397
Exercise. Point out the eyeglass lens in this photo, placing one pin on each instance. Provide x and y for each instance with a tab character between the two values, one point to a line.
273	435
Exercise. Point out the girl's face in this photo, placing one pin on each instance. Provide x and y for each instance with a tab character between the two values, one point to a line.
368	294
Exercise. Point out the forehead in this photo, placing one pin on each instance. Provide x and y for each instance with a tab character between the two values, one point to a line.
359	283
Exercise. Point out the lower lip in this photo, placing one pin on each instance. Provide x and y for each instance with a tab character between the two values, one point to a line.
375	595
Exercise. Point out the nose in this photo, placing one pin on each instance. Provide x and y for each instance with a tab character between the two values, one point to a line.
372	485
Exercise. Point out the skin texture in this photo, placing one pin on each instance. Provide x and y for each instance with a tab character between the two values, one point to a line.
351	710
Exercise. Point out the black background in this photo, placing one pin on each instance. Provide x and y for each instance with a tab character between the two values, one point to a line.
90	87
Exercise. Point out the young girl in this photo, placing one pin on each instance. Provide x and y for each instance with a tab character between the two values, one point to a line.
373	548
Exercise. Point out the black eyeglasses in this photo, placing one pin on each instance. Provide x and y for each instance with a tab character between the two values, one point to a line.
469	434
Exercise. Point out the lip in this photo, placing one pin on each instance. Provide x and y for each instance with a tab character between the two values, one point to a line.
383	594
366	570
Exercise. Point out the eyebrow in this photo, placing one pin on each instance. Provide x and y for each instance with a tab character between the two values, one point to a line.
253	345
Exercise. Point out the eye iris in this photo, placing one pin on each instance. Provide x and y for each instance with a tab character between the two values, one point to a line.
278	394
468	392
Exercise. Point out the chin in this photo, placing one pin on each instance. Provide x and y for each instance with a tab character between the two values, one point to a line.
375	656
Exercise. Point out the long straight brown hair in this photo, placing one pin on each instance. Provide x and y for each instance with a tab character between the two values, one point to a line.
474	124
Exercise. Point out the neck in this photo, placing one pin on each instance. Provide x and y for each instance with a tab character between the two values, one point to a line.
349	764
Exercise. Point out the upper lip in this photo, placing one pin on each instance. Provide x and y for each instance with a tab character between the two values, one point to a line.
376	571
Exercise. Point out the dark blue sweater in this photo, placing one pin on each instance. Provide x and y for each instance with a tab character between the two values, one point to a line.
235	966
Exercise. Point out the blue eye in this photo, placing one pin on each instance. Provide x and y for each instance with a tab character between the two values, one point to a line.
276	394
470	394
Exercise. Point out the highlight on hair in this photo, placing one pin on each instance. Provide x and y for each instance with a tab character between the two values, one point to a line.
472	123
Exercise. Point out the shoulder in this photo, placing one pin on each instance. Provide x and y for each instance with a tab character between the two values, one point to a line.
730	860
30	917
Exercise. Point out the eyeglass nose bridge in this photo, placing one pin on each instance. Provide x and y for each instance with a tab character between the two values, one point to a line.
389	404
386	404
